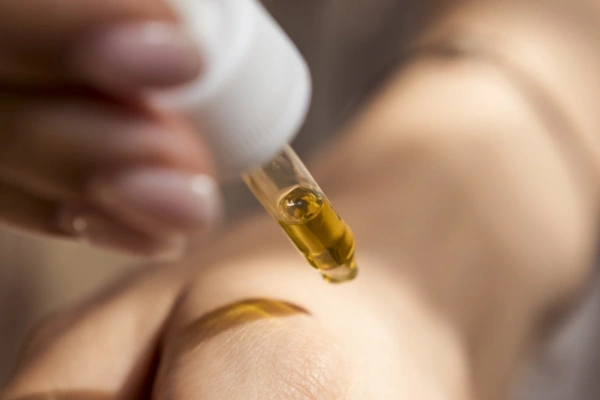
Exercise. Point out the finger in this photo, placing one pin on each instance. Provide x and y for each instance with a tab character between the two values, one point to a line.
262	326
104	350
98	229
27	212
127	59
68	149
118	44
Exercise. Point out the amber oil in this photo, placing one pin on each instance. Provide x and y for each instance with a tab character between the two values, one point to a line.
291	196
318	232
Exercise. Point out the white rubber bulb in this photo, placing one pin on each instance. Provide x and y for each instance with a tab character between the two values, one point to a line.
254	92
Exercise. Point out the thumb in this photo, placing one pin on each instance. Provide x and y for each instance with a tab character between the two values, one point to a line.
112	44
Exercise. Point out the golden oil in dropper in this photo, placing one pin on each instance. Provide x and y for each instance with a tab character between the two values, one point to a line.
290	194
319	233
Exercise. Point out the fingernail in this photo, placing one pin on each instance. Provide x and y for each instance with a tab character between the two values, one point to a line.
103	232
160	199
137	56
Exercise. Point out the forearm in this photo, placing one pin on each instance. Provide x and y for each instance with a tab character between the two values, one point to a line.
549	49
486	147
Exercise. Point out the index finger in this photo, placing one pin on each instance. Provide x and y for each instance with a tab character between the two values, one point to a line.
41	28
45	40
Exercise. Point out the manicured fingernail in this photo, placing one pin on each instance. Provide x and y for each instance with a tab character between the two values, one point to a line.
160	199
138	56
102	232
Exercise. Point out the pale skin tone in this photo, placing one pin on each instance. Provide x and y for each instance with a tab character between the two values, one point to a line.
476	223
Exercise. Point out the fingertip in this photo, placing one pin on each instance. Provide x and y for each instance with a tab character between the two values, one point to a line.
136	57
101	231
266	349
157	199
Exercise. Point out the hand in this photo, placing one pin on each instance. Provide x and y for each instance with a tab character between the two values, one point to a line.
81	154
250	331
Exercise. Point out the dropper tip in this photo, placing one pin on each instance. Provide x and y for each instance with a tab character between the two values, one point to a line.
341	274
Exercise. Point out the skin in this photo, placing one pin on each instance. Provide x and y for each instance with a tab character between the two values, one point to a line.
476	232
